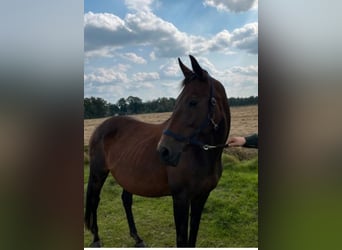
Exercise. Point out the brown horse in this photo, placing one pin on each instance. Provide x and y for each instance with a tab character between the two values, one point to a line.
180	157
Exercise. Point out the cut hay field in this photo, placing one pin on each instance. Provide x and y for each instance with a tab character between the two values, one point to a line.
230	216
244	121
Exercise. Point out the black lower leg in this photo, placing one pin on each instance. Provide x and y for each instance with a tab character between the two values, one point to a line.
197	206
127	200
181	216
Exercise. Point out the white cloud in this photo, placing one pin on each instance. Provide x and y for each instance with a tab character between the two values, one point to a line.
145	76
141	28
170	69
134	58
101	52
147	37
123	67
251	70
152	56
240	76
238	80
238	83
141	5
105	75
232	5
104	21
116	82
220	42
166	39
246	38
106	32
111	93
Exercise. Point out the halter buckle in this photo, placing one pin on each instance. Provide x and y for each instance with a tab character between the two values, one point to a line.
213	101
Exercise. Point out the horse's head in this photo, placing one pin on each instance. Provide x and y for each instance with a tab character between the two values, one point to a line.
200	116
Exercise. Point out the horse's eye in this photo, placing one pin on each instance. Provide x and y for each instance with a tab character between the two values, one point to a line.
192	103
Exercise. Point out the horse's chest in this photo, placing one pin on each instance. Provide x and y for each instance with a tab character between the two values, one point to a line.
193	179
205	183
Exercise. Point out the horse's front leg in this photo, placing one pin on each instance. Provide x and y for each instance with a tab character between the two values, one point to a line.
197	205
181	206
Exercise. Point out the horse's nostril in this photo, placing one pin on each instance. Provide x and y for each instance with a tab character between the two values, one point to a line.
169	157
164	152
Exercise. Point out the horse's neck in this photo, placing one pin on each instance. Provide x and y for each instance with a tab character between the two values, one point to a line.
164	124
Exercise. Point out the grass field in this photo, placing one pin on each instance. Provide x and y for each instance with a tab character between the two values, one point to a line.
230	216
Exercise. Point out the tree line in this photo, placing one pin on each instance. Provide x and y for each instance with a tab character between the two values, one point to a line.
96	107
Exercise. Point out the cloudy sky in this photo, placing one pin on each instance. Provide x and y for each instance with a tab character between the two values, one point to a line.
131	47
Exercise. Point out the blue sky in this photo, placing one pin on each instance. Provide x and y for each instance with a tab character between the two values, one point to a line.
131	47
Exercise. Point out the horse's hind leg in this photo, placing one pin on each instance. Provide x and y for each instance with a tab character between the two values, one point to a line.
127	200
97	178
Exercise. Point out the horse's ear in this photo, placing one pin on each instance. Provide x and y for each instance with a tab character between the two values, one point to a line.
196	67
186	71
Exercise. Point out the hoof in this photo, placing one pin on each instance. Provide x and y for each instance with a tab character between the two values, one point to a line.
96	244
140	244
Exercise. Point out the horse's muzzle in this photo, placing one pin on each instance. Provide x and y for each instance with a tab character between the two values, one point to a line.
169	157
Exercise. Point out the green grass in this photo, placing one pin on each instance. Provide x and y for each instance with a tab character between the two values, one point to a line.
230	216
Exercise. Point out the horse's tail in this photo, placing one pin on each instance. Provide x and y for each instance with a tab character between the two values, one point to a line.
97	176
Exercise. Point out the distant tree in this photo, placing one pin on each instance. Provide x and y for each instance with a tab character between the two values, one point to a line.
243	101
113	109
94	107
86	107
148	107
159	105
134	105
122	106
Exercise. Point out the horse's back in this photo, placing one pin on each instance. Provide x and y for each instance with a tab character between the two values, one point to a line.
129	147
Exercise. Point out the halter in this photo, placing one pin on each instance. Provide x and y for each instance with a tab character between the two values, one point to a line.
206	122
